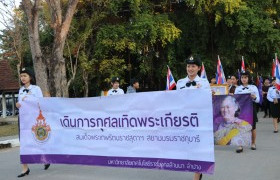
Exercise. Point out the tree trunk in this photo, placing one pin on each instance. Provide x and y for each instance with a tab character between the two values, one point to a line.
61	26
40	68
58	80
41	75
57	70
85	78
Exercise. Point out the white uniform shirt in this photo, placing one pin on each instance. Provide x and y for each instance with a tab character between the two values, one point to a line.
115	92
32	90
272	94
200	83
250	89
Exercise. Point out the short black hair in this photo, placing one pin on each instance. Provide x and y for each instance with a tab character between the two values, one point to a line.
234	75
246	73
31	75
133	81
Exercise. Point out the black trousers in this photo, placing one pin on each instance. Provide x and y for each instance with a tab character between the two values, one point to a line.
266	106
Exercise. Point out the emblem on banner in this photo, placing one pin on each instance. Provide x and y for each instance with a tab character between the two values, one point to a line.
41	130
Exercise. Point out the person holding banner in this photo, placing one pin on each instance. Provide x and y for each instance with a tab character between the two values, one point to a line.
28	88
232	131
116	90
234	80
193	81
273	96
246	87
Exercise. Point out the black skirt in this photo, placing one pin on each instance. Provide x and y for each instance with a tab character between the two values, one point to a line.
275	109
255	116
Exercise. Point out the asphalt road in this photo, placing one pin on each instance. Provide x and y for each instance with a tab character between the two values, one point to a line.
262	164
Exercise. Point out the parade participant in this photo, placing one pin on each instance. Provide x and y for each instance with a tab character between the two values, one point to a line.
213	81
115	87
193	81
232	131
234	84
246	87
28	88
273	97
229	82
265	103
134	85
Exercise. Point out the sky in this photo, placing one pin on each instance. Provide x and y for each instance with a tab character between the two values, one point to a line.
4	8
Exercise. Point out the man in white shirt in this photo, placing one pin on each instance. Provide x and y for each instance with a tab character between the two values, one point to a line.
115	87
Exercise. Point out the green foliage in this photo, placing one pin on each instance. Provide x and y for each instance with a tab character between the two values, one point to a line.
138	35
113	67
139	38
146	29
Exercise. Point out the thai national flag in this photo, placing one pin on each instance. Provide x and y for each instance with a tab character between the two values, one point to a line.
259	84
274	65
170	82
277	75
243	65
220	75
203	72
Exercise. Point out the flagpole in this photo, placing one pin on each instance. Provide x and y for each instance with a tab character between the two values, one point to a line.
273	68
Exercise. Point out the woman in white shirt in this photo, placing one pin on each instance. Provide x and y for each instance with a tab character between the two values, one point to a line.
273	96
28	88
246	87
193	81
116	90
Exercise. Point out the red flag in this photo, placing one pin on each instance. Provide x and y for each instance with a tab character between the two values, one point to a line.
170	82
243	65
273	69
220	75
277	75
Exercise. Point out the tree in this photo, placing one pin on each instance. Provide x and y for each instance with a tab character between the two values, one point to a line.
134	43
50	73
13	38
129	38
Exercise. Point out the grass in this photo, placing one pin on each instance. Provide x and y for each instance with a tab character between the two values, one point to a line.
8	129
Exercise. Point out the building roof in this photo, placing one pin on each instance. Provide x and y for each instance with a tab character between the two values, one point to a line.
8	81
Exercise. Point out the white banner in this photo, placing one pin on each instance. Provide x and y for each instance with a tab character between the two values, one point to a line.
170	130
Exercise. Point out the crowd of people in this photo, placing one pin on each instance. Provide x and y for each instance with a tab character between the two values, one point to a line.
237	84
244	85
270	96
